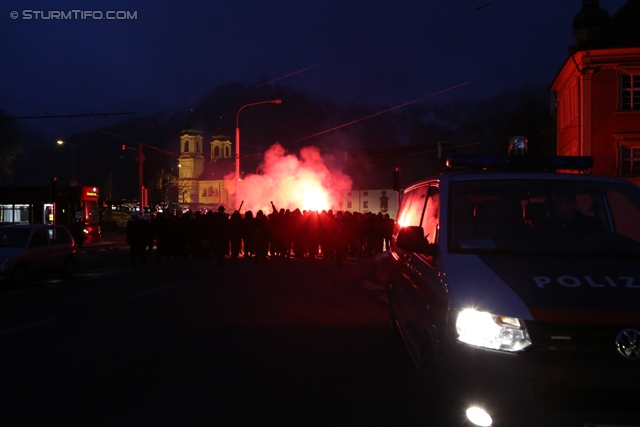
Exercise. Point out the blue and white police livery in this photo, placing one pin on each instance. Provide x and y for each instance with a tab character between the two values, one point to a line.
516	288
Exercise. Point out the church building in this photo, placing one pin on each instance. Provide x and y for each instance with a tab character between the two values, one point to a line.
598	90
201	180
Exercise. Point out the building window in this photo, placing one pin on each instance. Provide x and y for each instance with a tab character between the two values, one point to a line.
630	161
365	204
17	214
365	193
226	152
216	152
349	205
204	193
630	92
186	146
567	104
349	194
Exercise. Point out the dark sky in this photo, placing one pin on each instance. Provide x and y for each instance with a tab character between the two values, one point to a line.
368	51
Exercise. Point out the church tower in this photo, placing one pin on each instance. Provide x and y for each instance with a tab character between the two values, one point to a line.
220	146
588	21
191	161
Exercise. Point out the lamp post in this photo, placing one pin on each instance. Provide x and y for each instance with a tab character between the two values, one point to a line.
73	165
237	177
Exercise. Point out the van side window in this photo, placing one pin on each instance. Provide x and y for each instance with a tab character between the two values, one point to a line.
410	213
58	236
39	238
431	219
623	212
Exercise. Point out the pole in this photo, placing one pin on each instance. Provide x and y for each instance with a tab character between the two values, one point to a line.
73	170
237	177
140	160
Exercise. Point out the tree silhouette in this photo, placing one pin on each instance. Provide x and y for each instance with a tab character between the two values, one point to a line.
10	147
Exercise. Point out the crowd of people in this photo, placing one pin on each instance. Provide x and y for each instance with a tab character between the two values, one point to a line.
280	233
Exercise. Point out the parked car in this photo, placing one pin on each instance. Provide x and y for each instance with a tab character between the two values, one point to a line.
515	289
36	250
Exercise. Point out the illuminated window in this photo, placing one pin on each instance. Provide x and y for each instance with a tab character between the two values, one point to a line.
18	214
413	207
630	92
630	161
431	219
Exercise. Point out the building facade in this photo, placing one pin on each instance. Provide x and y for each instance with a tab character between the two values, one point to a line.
383	201
598	90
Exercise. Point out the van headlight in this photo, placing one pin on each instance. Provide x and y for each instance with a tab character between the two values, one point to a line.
488	330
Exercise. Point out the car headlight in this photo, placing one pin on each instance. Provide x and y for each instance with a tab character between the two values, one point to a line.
488	330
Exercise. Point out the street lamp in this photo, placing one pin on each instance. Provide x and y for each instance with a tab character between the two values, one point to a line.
271	101
73	170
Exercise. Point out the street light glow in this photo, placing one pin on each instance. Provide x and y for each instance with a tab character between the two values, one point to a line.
73	160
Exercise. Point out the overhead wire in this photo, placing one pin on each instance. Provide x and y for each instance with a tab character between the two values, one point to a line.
80	124
376	44
302	70
381	42
384	111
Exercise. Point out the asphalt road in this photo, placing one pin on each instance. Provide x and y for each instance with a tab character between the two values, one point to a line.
284	343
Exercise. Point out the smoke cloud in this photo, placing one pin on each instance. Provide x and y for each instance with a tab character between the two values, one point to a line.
310	182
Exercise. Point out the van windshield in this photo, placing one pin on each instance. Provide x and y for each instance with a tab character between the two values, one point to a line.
544	216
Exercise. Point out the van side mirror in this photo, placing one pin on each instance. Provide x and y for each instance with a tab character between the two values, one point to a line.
411	239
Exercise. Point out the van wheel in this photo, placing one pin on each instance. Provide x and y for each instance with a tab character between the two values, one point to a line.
19	276
68	269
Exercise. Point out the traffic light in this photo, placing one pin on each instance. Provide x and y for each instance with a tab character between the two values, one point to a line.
124	147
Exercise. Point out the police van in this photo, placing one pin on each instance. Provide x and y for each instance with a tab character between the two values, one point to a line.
514	282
